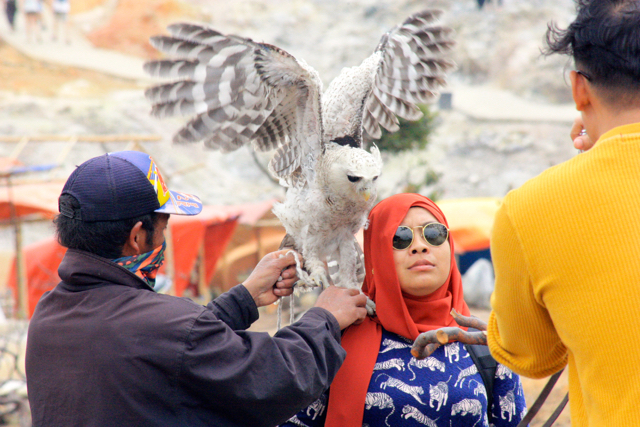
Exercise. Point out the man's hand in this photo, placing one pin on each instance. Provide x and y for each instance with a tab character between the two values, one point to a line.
273	277
580	139
347	305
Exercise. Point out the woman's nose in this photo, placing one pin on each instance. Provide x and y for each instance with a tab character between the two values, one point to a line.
419	245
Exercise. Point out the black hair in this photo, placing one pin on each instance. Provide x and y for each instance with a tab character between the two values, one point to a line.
102	238
604	41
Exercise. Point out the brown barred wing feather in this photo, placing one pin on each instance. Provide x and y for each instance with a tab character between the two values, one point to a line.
413	67
237	92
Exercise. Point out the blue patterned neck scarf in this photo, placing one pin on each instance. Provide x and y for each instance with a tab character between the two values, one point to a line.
146	265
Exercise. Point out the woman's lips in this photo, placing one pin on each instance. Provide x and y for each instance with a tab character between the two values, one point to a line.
422	265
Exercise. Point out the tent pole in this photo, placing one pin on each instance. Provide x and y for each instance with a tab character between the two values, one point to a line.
258	230
22	294
203	289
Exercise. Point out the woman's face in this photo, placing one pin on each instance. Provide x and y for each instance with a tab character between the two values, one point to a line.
421	268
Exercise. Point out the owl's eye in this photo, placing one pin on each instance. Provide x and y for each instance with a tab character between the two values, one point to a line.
354	178
374	178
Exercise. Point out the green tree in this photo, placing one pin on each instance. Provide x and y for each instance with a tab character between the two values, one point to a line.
411	135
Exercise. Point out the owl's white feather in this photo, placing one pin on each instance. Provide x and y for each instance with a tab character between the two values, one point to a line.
241	92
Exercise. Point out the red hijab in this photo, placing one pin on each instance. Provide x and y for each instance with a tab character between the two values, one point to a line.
397	312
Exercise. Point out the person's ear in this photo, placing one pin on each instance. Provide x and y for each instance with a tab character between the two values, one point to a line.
580	91
137	236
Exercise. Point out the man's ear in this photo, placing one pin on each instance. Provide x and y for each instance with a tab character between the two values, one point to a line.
137	236
580	91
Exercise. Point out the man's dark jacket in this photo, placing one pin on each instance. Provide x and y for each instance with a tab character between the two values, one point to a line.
105	350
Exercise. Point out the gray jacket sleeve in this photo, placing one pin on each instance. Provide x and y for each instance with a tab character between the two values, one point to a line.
252	378
235	307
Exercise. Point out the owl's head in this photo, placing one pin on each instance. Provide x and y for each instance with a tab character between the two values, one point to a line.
354	173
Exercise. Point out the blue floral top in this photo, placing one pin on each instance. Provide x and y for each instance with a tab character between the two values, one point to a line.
444	389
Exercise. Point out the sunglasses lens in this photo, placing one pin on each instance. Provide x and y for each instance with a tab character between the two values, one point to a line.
435	234
403	238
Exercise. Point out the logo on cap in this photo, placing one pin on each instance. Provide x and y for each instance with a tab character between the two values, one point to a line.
153	175
170	202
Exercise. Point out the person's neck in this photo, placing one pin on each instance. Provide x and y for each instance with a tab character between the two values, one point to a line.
610	119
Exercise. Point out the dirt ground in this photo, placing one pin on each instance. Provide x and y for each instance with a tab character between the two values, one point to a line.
23	75
134	21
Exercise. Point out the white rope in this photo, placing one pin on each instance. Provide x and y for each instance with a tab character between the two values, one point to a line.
279	315
291	311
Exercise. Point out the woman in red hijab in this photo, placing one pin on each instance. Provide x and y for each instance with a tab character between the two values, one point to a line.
412	276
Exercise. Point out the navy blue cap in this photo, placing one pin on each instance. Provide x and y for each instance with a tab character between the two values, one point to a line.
122	185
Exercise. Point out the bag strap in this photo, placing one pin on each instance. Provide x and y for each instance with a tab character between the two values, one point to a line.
552	419
540	400
486	365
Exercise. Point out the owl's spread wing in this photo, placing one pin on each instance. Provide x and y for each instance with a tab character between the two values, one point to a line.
238	92
414	65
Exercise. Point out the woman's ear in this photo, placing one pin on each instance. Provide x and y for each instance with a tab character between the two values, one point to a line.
134	242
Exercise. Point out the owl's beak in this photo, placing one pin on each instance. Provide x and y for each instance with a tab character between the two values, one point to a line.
367	195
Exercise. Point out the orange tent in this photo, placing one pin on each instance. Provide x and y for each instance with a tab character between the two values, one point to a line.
470	221
35	198
42	260
18	201
205	235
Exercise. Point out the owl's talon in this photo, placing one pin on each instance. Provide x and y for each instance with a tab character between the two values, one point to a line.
371	307
319	278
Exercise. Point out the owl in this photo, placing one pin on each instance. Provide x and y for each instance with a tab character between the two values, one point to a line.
241	92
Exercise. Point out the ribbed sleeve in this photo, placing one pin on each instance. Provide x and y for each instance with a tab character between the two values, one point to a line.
566	250
538	353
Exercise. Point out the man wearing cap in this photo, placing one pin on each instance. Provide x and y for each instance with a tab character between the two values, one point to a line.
105	349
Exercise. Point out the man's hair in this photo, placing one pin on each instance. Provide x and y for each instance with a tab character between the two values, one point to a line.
102	238
604	41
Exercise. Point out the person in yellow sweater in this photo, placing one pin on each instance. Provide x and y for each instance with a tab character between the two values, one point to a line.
566	245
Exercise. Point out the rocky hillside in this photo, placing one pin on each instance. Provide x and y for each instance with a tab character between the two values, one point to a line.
498	47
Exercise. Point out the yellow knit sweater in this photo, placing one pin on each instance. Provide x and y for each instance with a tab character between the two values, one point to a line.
566	251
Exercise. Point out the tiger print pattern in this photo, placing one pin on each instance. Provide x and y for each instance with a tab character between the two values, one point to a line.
450	379
389	364
439	393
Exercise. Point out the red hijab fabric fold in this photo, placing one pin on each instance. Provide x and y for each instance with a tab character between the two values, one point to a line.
397	312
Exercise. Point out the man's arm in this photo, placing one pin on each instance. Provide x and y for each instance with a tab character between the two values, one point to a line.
251	378
274	277
520	335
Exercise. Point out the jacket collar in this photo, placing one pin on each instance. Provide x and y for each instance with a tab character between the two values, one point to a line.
81	270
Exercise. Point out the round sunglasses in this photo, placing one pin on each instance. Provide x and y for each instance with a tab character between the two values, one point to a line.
434	233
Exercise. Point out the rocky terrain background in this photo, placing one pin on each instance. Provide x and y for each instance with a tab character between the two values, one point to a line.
476	149
498	47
